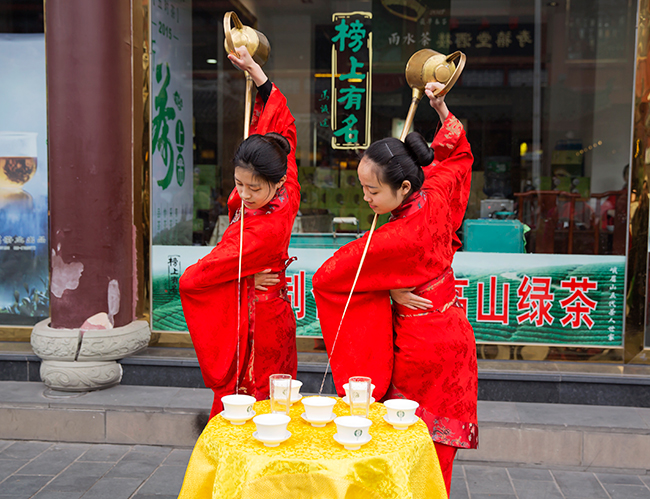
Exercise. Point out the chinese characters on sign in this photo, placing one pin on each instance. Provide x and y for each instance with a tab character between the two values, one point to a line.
351	80
296	289
488	39
573	302
474	40
323	111
173	272
430	32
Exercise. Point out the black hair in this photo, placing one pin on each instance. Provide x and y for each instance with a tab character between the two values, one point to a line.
398	161
266	155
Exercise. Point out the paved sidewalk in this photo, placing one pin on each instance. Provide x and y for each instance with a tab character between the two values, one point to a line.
496	482
44	470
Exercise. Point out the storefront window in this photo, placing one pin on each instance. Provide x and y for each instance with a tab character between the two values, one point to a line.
546	99
24	269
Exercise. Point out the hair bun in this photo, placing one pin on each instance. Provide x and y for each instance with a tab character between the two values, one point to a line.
418	149
280	140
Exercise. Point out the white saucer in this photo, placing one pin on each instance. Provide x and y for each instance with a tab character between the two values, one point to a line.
345	399
296	399
273	442
318	424
401	425
237	420
354	445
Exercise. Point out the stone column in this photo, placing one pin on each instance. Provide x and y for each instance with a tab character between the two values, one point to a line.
93	290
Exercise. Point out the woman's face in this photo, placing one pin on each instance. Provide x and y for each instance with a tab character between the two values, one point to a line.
379	196
254	191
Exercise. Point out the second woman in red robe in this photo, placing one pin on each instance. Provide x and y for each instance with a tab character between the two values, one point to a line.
421	346
263	324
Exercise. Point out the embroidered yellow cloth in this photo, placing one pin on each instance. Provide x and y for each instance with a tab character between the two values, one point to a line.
227	462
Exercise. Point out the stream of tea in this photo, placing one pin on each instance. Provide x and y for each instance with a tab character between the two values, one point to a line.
241	247
354	283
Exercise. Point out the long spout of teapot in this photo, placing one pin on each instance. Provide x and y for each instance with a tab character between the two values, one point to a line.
416	97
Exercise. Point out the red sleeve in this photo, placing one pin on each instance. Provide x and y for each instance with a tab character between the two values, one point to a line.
275	116
449	178
263	247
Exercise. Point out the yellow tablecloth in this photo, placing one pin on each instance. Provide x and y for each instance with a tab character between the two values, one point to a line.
227	462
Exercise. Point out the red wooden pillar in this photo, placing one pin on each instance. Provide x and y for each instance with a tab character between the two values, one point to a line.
90	139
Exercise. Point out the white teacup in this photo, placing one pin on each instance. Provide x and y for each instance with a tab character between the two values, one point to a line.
271	426
238	405
318	408
295	388
400	410
346	387
353	428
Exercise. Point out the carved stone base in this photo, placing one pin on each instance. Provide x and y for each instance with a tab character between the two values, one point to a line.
80	361
103	344
80	376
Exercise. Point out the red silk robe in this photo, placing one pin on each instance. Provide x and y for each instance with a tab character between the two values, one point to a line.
429	357
209	294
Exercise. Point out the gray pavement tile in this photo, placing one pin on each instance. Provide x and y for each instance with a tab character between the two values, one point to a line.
54	460
136	465
24	450
112	488
497	412
627	491
79	477
529	474
152	449
106	453
580	415
618	479
493	496
180	457
459	489
23	485
9	466
487	480
57	494
646	480
577	485
165	480
536	489
148	496
5	443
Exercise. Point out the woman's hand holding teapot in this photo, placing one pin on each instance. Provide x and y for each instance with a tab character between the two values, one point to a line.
243	60
437	102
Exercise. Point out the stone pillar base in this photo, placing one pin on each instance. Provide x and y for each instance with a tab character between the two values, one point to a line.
80	376
81	361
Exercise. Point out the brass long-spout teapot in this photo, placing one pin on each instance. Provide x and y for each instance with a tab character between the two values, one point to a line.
426	66
258	47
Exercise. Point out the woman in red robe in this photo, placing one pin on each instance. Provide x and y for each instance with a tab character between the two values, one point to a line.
421	347
266	179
